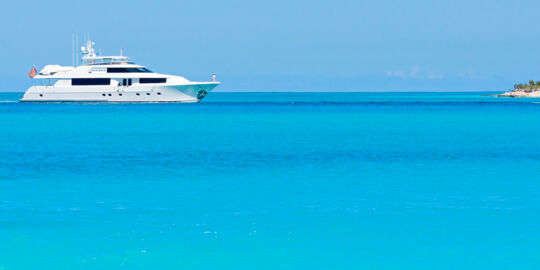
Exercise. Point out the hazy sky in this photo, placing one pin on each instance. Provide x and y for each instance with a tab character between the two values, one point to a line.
288	45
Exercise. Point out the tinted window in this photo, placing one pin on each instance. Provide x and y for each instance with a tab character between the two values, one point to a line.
127	70
152	80
93	81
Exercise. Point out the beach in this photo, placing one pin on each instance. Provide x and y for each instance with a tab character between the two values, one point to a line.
520	93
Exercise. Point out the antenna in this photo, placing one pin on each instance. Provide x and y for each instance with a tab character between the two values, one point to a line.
77	46
121	51
72	49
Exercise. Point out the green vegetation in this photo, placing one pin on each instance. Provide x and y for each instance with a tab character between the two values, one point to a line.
527	86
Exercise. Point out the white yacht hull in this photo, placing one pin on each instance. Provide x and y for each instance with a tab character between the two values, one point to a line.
192	92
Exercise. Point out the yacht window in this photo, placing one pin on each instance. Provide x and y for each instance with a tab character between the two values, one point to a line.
129	81
103	94
124	82
110	95
138	94
152	80
127	70
40	95
147	94
91	81
159	93
120	94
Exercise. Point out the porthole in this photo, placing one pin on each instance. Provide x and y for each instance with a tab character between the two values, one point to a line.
147	94
120	94
138	94
159	93
40	95
103	94
110	95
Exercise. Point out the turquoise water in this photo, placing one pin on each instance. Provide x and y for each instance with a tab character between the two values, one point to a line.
272	181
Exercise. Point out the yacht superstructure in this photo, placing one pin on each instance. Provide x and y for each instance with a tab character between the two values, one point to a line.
112	79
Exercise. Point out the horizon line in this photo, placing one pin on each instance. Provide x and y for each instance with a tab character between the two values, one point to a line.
301	91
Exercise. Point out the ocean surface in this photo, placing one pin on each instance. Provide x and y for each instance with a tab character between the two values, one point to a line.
272	181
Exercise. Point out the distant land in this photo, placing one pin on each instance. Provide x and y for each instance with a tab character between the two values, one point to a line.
531	89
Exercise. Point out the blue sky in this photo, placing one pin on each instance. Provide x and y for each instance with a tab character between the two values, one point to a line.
288	45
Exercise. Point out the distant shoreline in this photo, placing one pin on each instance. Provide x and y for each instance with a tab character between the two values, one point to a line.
528	89
534	93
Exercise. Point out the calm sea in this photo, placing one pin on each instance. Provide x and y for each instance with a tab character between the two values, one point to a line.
272	181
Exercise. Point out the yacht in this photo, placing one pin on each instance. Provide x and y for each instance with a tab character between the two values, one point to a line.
111	79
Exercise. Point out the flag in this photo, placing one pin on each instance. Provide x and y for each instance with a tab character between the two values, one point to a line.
32	72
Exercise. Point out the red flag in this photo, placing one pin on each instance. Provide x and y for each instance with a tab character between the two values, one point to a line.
32	72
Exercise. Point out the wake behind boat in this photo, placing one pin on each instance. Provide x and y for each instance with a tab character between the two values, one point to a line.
111	79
